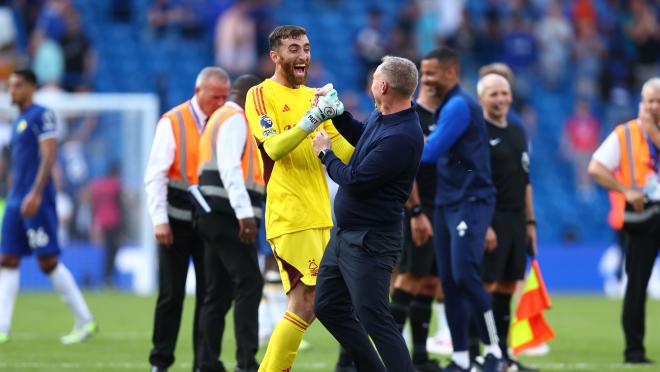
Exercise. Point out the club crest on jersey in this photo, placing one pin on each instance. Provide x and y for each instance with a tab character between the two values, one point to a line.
266	122
313	268
21	126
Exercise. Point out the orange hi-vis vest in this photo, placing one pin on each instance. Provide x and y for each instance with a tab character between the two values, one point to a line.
183	171
635	166
210	183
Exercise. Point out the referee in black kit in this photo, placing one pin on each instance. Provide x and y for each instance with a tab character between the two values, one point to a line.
513	227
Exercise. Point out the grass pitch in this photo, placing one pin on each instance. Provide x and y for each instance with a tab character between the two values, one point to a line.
589	337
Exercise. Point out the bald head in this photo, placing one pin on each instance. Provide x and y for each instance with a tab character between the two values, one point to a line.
494	93
651	98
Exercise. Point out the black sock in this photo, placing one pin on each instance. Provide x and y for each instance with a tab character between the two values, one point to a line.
473	340
502	315
420	317
399	307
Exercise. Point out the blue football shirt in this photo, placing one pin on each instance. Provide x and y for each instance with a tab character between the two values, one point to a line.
34	124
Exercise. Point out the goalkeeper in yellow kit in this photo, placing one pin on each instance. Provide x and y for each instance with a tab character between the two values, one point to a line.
298	219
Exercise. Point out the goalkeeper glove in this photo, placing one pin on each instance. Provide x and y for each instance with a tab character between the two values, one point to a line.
328	107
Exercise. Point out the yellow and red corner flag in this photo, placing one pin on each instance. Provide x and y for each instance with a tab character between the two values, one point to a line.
528	328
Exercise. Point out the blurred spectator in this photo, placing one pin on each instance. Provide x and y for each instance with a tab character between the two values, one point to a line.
51	21
9	56
191	19
79	58
28	11
584	12
106	211
588	51
488	40
450	15
643	29
555	35
371	42
121	10
580	139
318	75
520	52
47	61
162	16
236	40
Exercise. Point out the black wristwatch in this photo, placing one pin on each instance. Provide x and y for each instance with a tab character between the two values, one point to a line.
322	154
416	210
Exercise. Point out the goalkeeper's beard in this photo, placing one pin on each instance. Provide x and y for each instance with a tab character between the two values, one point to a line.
291	76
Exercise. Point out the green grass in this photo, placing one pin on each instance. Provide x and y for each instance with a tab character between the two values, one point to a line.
589	337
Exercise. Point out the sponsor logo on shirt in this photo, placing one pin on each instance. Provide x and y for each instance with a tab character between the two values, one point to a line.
494	141
525	161
269	132
21	126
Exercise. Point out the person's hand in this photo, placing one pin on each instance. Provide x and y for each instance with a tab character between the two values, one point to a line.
163	234
321	142
30	204
248	230
421	230
531	239
491	240
330	105
635	198
321	92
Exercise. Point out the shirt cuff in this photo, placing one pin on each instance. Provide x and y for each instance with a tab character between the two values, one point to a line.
244	212
160	219
329	155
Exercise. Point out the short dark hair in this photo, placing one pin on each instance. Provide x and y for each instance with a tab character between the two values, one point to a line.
243	83
284	32
27	75
444	55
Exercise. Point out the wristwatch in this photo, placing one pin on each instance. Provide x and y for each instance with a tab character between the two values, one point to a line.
322	154
416	210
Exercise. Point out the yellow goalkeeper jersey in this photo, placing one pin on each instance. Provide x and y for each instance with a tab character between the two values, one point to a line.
297	195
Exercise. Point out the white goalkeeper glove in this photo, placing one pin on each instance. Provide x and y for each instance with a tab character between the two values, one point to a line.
328	107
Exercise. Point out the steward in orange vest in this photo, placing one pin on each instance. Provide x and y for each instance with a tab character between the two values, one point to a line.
627	162
210	182
173	167
232	184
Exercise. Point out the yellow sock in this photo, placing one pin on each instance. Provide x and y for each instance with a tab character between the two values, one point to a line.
283	344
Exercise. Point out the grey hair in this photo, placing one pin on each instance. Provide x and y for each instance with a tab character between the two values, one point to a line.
492	75
652	83
401	74
209	72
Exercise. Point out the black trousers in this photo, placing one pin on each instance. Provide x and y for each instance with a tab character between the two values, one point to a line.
641	252
173	268
352	298
111	245
232	273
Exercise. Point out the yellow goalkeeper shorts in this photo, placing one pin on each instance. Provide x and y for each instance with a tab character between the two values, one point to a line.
298	256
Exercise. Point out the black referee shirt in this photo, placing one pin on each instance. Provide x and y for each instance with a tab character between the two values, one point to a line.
509	164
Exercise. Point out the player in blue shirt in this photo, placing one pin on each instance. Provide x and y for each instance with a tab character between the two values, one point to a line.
465	200
30	221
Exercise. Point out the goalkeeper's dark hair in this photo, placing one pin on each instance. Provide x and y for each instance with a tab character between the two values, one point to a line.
27	75
284	32
446	56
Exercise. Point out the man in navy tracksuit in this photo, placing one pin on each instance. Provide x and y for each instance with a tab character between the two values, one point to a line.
352	288
465	200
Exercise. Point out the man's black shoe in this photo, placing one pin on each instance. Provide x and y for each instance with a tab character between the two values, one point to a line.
492	364
638	360
430	365
453	367
514	365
